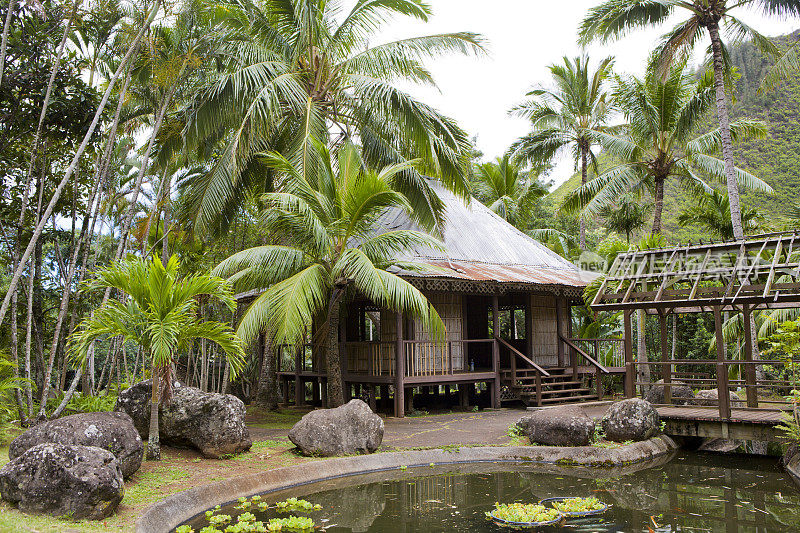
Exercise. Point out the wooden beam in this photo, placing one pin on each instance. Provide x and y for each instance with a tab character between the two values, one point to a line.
559	332
496	351
665	356
722	370
749	370
400	368
630	371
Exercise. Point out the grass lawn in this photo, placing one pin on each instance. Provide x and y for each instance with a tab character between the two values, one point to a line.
178	470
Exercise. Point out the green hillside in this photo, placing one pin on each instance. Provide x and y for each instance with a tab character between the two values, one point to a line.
776	159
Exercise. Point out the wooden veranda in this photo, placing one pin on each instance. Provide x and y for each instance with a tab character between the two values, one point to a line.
758	273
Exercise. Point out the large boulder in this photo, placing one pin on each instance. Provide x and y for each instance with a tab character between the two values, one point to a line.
64	480
213	423
110	431
711	397
631	420
558	427
349	429
681	393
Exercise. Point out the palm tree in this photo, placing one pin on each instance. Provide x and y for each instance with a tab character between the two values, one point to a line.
326	218
659	143
713	214
303	68
567	117
626	215
500	186
162	317
614	18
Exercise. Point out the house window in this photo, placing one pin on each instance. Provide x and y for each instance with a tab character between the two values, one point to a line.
512	322
369	323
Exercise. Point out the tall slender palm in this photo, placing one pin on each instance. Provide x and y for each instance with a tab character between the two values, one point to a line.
507	192
161	316
566	117
302	68
326	216
713	214
660	143
615	18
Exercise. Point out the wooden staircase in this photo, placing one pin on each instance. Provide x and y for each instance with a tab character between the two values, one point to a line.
559	387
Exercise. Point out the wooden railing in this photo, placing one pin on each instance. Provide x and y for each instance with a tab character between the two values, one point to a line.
527	364
599	369
371	358
609	352
774	389
430	358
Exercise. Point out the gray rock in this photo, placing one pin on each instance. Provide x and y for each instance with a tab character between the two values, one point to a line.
558	427
349	429
711	397
110	431
213	423
632	419
680	392
64	480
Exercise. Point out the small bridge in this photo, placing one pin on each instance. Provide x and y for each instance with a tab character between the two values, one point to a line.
757	273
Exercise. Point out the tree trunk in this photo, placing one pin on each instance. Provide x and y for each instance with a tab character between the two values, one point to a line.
658	209
153	442
725	131
584	170
332	359
12	4
74	164
167	203
267	394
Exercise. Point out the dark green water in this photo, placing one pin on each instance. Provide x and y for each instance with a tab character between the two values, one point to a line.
690	492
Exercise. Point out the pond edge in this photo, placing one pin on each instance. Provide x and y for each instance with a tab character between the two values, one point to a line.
167	514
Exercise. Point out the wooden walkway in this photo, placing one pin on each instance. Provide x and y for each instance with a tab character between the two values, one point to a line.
706	422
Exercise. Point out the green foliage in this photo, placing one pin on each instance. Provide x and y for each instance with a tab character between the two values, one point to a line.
578	505
784	344
523	512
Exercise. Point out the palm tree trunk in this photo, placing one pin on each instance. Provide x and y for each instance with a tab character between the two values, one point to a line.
725	131
153	442
267	393
659	206
74	164
332	356
12	4
167	203
584	170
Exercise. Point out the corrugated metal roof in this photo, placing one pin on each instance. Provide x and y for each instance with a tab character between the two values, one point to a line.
481	246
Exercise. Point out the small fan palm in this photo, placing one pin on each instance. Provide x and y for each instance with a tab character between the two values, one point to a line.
615	18
307	68
327	221
713	214
161	316
507	193
659	143
626	215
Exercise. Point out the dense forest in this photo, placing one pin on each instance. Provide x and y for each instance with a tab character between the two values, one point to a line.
775	159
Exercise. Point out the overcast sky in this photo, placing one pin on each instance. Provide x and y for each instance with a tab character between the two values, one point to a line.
524	36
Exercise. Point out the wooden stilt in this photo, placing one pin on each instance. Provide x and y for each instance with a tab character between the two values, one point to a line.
665	355
722	370
749	369
495	385
630	370
400	368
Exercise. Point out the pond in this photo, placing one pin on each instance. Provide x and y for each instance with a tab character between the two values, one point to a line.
688	492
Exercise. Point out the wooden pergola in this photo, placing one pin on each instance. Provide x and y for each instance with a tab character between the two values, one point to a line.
759	272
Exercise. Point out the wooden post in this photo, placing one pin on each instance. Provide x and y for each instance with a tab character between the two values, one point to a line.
538	383
299	393
665	356
463	395
400	368
722	370
559	332
630	371
324	388
528	329
749	368
495	394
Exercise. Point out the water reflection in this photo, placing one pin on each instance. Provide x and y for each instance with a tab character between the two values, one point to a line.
691	492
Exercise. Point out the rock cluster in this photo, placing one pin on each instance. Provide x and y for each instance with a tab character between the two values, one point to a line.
113	432
64	480
350	429
210	422
681	393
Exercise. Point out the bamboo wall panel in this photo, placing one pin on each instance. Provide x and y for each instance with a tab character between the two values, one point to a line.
545	331
434	358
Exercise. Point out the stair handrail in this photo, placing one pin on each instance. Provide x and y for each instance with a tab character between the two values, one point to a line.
522	356
583	354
